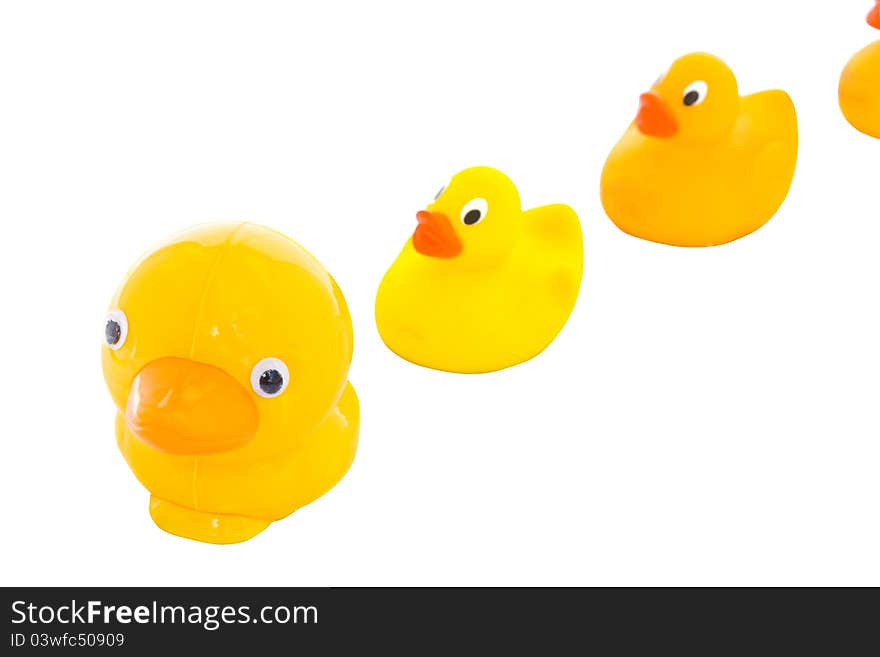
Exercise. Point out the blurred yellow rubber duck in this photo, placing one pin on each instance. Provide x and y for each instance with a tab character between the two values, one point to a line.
226	353
701	165
859	91
482	285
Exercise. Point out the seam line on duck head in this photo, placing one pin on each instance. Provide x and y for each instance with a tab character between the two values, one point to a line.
208	280
192	343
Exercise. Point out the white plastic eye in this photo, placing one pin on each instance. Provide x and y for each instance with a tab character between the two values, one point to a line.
474	211
115	329
695	93
269	377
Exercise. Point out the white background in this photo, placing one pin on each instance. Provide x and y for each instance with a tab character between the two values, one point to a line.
706	417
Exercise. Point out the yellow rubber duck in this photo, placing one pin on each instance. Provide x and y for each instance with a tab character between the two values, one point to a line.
482	285
859	91
701	165
226	351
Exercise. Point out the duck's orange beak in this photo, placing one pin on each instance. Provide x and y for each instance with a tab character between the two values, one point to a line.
435	236
655	119
181	406
874	16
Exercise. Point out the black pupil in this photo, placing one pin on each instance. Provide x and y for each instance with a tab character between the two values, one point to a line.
472	217
271	381
112	332
691	97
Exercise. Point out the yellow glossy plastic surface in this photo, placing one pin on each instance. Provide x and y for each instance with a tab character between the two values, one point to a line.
483	296
220	459
859	91
701	165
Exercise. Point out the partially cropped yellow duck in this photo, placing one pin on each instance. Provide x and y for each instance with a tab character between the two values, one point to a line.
482	284
701	165
859	91
226	352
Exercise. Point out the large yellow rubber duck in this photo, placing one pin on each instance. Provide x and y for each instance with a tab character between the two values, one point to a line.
226	353
859	91
482	284
701	165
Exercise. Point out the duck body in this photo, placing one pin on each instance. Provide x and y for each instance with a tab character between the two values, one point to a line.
228	498
495	304
859	90
714	186
233	405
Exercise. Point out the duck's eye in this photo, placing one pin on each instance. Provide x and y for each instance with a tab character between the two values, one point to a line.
115	329
695	93
269	377
474	211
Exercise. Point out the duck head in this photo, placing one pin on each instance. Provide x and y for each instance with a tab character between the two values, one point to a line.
697	100
475	219
230	336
